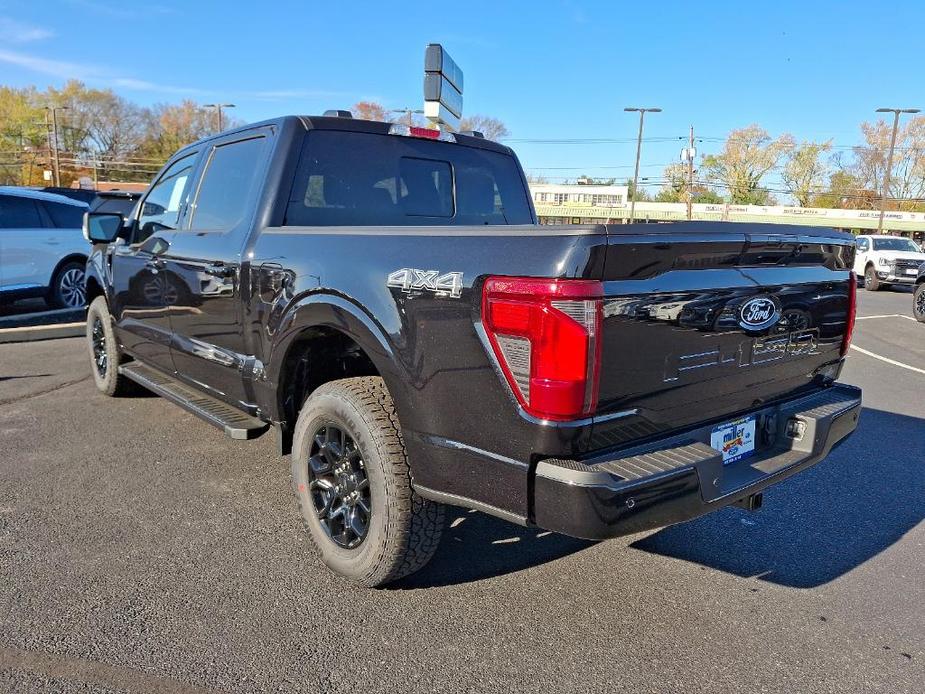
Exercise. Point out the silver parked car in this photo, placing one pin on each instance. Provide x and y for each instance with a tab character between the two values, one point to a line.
42	249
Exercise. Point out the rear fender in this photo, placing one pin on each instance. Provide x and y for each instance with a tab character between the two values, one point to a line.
335	312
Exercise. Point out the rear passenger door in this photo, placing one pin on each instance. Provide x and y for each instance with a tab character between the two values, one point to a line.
208	345
26	260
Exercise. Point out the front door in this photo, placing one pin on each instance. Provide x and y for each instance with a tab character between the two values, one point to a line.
209	349
144	291
860	255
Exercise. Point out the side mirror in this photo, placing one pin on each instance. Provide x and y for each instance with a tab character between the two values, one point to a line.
102	227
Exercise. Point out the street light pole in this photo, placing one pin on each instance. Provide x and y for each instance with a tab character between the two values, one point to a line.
408	112
218	109
642	114
889	159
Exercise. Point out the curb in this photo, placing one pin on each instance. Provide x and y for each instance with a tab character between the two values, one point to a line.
41	318
32	333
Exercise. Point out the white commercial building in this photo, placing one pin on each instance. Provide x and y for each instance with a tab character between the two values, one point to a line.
578	194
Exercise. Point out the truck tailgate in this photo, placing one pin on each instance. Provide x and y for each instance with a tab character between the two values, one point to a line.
700	324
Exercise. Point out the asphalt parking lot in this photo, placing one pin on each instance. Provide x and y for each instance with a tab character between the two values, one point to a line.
141	550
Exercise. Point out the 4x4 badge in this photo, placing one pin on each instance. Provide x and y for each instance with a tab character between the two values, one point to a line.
411	279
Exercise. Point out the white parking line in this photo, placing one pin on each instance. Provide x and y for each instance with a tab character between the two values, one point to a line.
884	315
888	361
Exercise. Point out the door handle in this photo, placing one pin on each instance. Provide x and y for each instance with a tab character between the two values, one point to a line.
219	270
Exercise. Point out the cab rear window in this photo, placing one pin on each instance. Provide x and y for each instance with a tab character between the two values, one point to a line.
363	179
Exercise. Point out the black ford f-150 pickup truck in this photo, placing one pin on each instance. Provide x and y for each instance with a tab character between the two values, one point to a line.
383	297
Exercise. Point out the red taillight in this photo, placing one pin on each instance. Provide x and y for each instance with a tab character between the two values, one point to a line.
852	312
546	336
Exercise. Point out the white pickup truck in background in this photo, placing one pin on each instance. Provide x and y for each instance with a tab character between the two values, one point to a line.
43	252
886	260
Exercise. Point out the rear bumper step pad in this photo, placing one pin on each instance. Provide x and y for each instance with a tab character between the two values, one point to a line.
234	422
682	477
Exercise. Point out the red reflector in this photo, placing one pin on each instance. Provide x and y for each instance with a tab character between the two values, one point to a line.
852	313
545	334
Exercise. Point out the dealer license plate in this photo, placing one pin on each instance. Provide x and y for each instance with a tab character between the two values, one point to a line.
912	272
735	440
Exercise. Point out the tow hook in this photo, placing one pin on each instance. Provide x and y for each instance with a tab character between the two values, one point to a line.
752	502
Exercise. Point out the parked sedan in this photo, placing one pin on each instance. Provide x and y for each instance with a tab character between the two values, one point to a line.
42	249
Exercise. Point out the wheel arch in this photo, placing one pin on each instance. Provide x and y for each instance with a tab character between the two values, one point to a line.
70	258
320	339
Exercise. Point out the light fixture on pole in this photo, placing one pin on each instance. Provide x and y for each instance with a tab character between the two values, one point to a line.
218	108
889	159
408	112
642	115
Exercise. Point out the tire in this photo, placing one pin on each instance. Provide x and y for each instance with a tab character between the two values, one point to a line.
402	529
69	287
918	302
105	357
871	283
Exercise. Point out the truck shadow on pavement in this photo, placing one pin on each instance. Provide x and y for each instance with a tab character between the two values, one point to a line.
813	528
822	523
476	546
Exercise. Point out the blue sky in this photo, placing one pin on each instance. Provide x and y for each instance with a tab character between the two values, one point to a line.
560	69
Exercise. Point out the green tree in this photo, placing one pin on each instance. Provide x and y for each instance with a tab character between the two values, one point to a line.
631	192
806	171
675	187
748	155
23	138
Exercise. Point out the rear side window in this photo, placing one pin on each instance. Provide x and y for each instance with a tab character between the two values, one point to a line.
19	213
65	216
363	179
227	185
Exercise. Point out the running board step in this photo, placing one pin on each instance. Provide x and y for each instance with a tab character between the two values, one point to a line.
234	422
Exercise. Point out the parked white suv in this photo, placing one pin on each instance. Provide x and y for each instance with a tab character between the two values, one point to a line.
42	249
885	260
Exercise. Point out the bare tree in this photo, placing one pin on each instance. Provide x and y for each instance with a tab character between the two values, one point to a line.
806	171
369	110
747	157
491	128
907	180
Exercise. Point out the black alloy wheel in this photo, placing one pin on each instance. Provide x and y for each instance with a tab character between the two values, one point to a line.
918	303
98	341
339	486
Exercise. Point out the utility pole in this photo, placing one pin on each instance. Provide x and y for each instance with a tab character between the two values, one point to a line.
408	113
54	140
889	159
690	154
218	109
642	114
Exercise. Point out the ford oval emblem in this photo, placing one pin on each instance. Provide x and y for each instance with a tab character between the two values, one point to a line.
759	313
